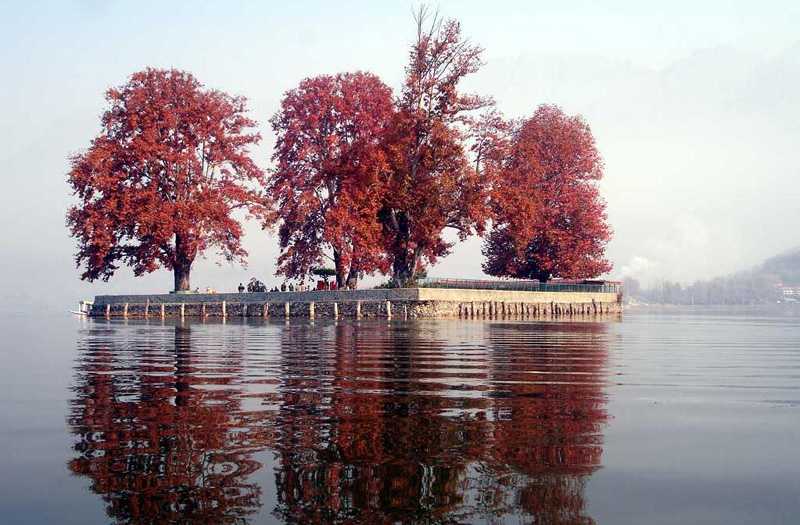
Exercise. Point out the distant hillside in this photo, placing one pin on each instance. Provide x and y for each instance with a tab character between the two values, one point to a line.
786	267
759	285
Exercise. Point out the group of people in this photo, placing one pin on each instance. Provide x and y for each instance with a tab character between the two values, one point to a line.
257	286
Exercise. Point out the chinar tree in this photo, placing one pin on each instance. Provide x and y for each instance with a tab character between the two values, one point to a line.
329	178
432	184
160	184
548	217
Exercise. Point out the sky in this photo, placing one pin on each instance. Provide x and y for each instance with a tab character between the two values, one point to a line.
694	106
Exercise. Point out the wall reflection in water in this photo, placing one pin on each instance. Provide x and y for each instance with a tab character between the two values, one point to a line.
369	422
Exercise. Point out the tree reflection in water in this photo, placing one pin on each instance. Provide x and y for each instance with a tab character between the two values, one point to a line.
371	422
157	445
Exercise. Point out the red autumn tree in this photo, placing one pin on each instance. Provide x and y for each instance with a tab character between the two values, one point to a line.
550	220
328	184
159	184
432	183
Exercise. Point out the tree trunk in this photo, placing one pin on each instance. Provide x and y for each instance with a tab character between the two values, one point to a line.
352	277
181	272
341	273
402	267
182	267
401	270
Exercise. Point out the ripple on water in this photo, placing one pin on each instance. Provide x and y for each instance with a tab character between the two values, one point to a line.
370	421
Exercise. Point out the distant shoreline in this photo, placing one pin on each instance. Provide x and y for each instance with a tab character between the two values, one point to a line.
783	308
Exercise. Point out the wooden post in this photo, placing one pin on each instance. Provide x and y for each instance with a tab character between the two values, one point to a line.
287	309
388	309
405	312
125	310
162	310
182	310
311	310
265	311
108	310
147	308
358	309
203	310
224	309
244	309
335	310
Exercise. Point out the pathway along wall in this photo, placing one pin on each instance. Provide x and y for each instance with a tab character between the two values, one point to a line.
404	303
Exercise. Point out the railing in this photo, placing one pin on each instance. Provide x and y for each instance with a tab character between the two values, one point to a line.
558	285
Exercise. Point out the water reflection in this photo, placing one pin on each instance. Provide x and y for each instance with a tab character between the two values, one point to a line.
368	422
157	446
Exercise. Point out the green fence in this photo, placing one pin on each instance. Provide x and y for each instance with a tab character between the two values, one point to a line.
524	285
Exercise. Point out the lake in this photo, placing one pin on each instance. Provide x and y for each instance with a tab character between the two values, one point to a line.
660	418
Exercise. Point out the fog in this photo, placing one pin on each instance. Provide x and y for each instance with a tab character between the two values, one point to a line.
695	112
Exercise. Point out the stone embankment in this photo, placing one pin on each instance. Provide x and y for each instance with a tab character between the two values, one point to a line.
403	303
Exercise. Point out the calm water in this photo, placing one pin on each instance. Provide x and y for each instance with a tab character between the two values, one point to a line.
657	419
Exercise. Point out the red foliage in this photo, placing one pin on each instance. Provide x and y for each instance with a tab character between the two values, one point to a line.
328	183
432	184
346	156
158	185
164	449
550	220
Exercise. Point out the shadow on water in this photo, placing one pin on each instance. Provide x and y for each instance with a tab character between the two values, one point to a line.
367	422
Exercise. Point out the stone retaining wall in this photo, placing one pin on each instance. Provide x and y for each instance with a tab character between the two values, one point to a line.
404	303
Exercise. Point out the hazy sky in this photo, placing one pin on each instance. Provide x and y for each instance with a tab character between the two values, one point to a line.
694	106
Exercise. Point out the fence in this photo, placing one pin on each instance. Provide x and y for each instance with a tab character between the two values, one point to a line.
524	285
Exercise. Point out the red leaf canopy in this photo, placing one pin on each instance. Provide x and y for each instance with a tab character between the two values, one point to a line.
328	184
159	185
550	220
